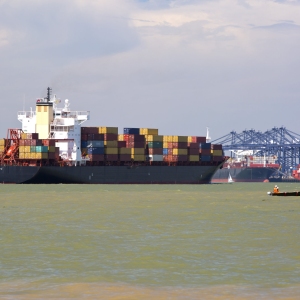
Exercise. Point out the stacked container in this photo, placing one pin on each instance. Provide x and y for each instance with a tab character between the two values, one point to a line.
136	142
205	152
217	152
32	148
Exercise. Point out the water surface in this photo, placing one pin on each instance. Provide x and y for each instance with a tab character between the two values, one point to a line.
218	241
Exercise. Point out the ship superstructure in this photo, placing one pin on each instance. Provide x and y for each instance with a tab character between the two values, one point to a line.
50	121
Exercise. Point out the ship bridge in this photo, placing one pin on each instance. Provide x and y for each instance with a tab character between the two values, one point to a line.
280	143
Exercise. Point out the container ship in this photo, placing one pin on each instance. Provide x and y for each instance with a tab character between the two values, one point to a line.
246	167
53	147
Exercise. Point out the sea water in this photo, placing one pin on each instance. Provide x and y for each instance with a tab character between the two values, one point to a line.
217	241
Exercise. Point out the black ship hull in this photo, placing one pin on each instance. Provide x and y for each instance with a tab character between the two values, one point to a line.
246	174
108	174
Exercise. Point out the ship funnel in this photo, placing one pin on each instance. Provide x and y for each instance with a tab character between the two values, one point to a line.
208	138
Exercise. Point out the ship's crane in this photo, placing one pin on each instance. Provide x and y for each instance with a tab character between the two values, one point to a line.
278	142
10	153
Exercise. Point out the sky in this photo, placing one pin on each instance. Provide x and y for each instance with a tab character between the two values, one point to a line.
177	65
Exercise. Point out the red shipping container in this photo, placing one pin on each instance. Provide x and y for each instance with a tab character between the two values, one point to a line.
216	147
155	151
96	157
182	145
182	157
217	158
194	146
122	144
135	144
136	138
22	142
110	137
200	139
87	130
27	142
111	157
84	137
170	151
48	142
193	151
125	157
205	151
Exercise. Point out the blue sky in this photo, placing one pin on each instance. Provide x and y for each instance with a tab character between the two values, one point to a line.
179	66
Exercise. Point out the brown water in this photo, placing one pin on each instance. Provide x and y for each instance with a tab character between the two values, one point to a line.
219	241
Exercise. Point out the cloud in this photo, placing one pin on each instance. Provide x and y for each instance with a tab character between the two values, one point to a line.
174	65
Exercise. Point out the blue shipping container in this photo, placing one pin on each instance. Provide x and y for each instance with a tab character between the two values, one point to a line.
165	151
205	158
205	145
94	144
95	150
131	131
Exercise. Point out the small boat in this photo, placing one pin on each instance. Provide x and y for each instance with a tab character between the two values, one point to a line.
284	194
230	180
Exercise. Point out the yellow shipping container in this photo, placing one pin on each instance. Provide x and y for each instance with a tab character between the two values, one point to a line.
2	142
124	150
22	149
121	137
33	155
38	155
193	157
23	136
217	152
27	149
137	151
1	149
147	131
167	138
179	139
165	144
180	151
27	155
51	148
138	157
108	130
45	155
21	155
190	139
111	150
154	138
111	144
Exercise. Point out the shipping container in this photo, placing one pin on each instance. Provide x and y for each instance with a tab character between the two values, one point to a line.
138	157
96	157
178	138
125	157
180	151
95	136
96	150
111	157
136	138
88	130
155	157
216	147
136	144
137	151
165	151
131	131
205	152
205	145
147	131
193	157
113	151
193	151
217	152
125	151
91	144
111	144
122	144
113	130
154	138
155	151
205	158
194	145
110	137
155	144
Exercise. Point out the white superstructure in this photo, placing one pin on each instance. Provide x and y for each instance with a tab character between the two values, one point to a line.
61	124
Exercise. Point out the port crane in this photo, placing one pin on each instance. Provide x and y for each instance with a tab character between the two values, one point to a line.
278	142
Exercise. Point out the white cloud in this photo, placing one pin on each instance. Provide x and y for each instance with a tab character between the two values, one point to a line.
176	65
